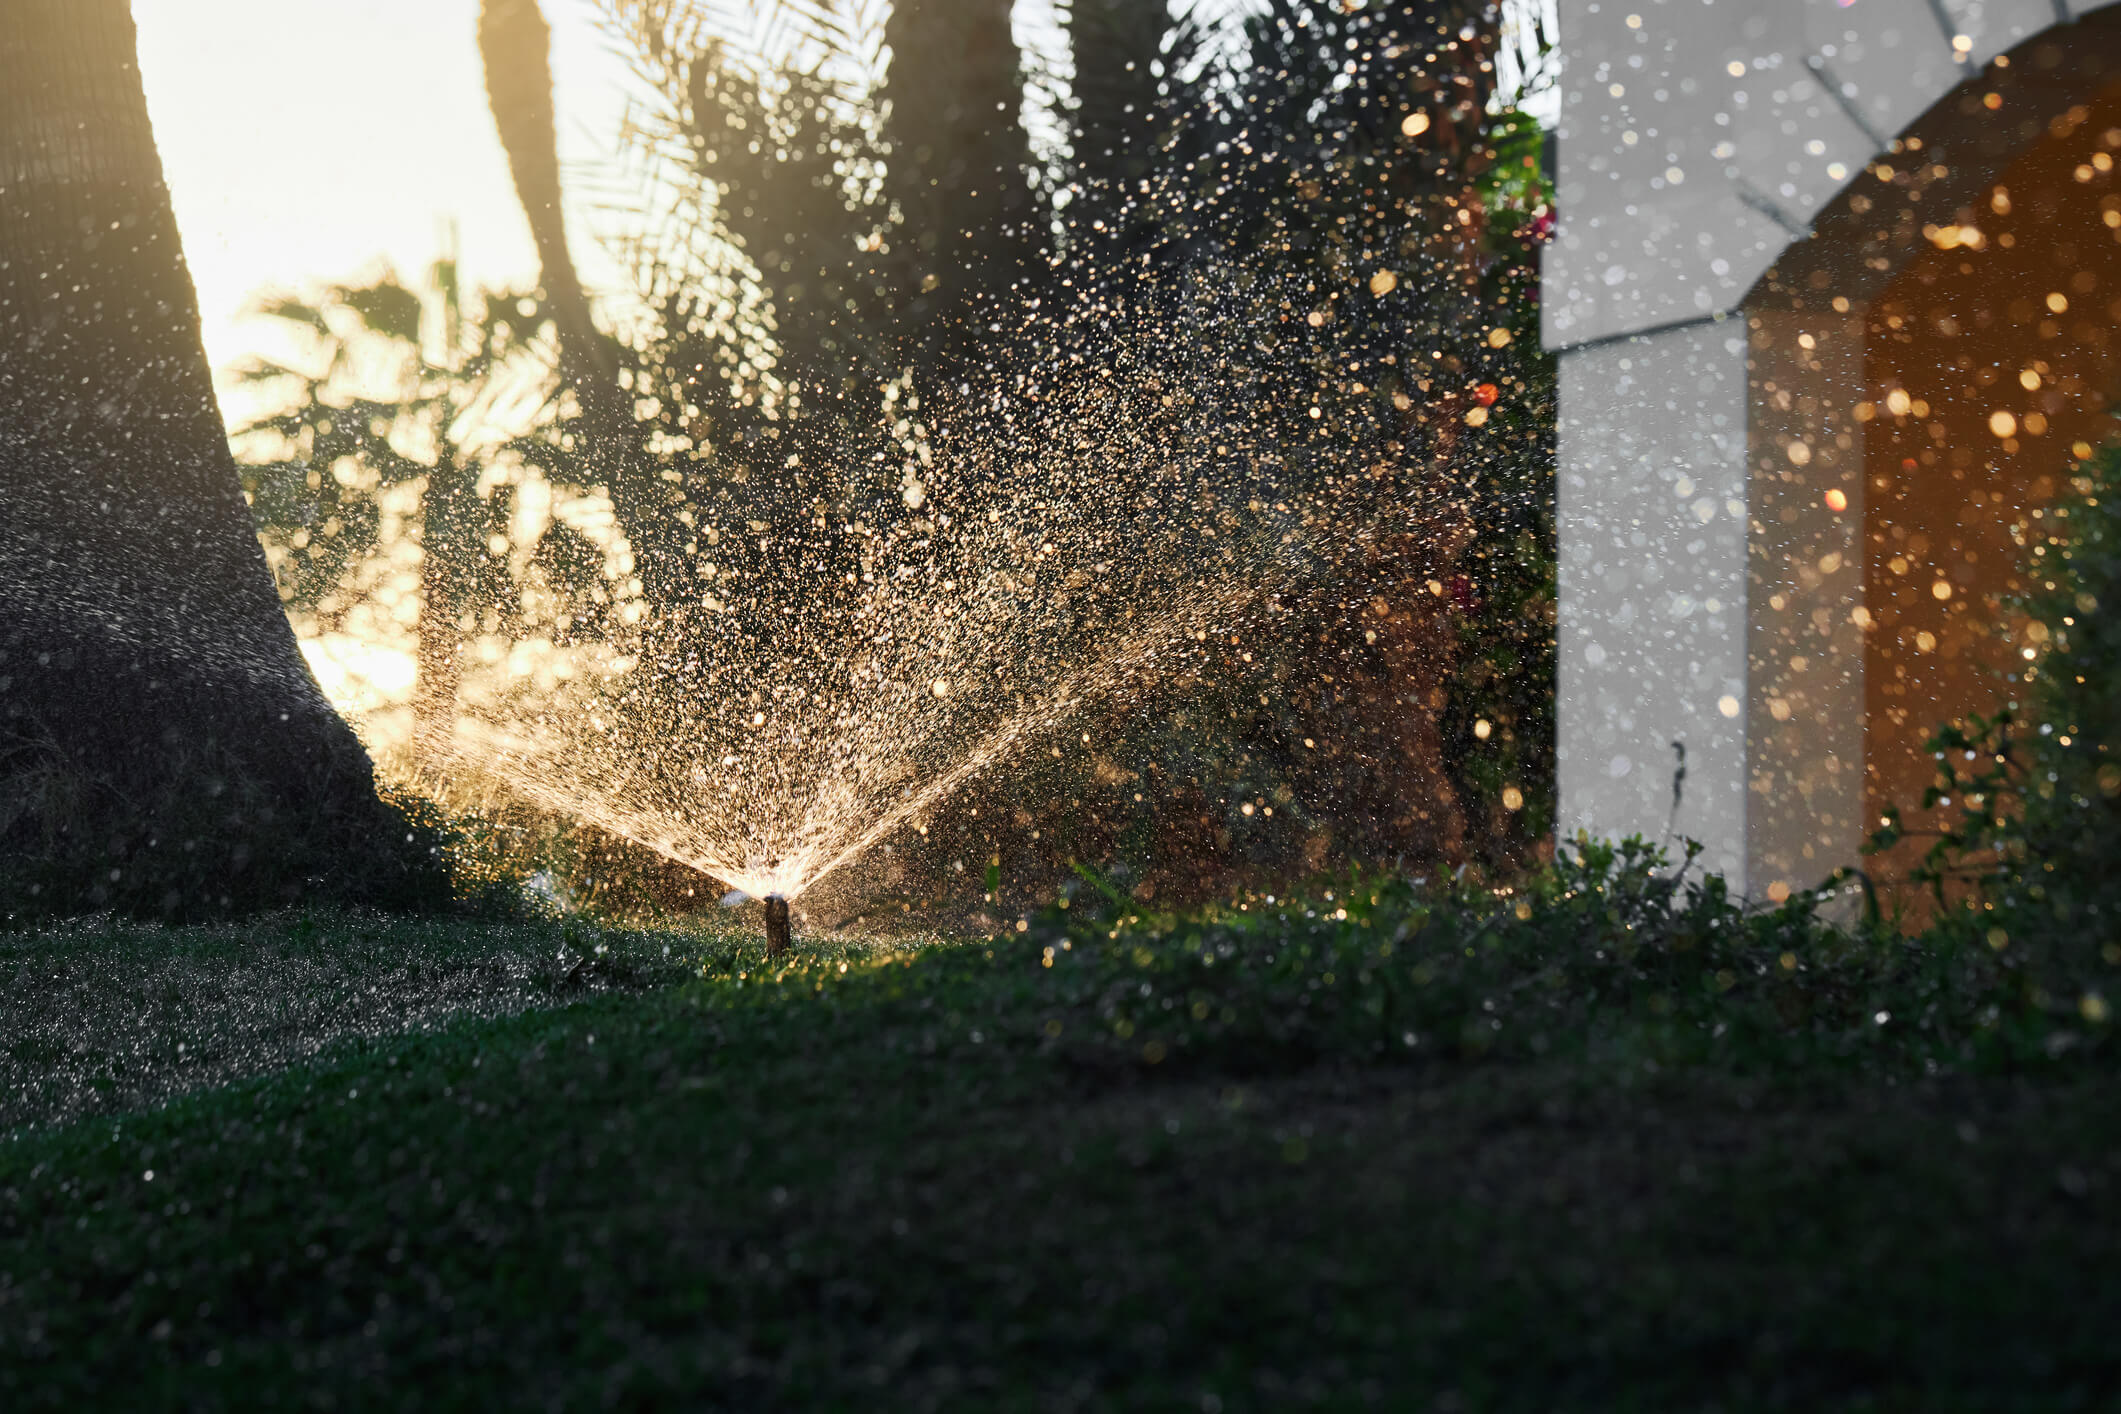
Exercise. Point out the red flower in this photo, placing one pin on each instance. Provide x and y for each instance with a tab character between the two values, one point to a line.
1486	394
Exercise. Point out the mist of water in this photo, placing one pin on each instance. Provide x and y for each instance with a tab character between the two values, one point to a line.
1065	542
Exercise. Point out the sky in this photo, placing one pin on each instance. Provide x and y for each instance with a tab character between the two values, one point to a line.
310	141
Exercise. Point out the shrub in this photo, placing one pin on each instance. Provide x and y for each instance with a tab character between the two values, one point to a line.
1612	956
2026	867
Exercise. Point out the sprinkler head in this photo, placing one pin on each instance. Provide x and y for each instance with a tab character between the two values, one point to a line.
777	927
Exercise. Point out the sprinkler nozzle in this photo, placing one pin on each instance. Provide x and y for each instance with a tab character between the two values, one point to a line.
777	927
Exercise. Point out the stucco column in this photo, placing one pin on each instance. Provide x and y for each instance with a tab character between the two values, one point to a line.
1652	515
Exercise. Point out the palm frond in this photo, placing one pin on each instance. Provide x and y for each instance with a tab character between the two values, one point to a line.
295	312
768	32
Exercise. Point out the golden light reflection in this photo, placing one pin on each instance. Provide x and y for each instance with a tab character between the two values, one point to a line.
360	677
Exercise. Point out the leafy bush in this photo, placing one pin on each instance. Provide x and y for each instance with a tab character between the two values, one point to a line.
2026	869
1612	956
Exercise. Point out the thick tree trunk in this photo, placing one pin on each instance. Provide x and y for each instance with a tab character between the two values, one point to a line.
162	742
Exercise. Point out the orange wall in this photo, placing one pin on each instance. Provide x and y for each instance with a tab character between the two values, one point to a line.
1990	366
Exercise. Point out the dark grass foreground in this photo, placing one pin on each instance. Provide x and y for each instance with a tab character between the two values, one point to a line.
1634	1157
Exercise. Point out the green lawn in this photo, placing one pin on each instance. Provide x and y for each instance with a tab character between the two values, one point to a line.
1064	1170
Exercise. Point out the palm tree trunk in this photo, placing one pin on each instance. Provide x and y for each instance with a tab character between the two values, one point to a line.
958	169
163	745
1116	121
515	45
445	551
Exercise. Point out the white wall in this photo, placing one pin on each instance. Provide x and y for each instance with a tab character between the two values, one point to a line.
1652	504
1698	141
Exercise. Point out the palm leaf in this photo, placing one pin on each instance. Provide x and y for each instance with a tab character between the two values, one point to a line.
295	312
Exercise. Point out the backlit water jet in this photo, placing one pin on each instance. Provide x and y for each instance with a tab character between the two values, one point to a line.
894	522
968	641
993	581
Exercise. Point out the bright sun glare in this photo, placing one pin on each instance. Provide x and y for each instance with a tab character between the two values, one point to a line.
309	141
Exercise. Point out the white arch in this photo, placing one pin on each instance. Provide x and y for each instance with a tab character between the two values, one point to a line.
1698	141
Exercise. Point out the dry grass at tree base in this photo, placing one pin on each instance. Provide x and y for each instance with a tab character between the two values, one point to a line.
103	1016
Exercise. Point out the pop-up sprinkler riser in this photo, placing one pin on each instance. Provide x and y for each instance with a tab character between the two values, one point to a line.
777	926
